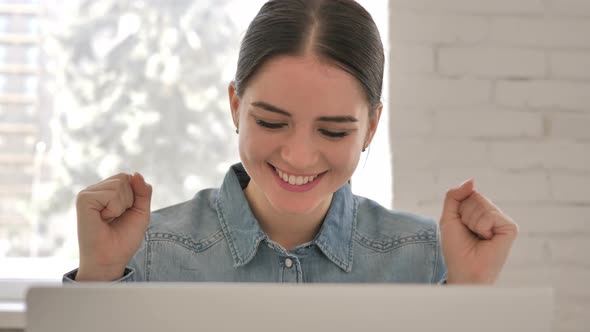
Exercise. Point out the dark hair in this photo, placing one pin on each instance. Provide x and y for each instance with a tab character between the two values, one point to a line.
339	31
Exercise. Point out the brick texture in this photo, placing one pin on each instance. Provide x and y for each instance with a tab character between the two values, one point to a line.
500	91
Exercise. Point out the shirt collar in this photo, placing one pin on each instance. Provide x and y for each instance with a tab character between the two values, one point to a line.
336	234
244	234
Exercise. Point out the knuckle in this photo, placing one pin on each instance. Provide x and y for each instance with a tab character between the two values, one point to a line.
483	226
121	175
488	214
513	227
116	207
81	196
121	185
448	193
482	200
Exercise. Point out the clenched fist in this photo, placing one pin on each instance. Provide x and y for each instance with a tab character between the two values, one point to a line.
113	216
476	236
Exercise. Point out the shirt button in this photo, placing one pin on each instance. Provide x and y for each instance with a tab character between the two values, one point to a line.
288	262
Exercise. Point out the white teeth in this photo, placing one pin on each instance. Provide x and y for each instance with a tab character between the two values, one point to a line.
295	180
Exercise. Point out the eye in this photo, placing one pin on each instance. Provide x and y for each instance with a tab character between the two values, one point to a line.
334	134
270	125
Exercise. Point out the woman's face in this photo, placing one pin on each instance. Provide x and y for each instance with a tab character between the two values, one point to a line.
302	125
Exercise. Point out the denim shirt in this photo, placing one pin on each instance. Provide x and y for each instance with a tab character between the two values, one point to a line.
215	237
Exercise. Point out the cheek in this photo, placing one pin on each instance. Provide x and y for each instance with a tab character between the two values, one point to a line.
253	143
247	152
344	157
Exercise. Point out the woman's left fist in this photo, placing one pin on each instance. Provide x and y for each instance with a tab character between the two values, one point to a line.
476	236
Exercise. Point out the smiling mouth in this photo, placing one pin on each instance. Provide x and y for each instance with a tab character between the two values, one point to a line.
295	180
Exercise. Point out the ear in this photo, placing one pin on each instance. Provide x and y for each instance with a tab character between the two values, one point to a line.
373	123
234	103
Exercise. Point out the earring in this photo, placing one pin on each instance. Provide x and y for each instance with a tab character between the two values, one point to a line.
365	148
237	130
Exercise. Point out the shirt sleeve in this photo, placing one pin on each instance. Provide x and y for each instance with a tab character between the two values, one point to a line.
439	275
128	276
135	271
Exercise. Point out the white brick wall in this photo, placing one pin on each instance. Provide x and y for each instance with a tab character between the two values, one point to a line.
572	126
432	92
491	62
493	123
500	91
569	65
545	32
544	94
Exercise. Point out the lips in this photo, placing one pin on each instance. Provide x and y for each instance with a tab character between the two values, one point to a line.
294	179
296	182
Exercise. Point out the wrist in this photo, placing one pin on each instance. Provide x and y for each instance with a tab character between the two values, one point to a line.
472	280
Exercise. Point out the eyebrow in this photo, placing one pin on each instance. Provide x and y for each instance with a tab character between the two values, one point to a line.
274	109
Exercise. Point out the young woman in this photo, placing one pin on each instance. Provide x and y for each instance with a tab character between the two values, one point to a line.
306	103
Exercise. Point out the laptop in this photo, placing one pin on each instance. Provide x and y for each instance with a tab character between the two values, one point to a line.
275	307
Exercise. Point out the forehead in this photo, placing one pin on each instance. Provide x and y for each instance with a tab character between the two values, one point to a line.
305	85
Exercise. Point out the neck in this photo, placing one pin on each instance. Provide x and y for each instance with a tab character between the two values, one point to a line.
288	230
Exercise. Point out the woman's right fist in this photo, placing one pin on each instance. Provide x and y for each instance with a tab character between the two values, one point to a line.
113	216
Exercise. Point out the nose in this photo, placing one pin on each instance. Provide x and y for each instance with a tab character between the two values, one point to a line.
300	151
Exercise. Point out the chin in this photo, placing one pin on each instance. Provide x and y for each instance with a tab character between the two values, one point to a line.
291	206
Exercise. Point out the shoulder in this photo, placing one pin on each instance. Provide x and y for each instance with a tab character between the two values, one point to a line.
384	228
189	223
